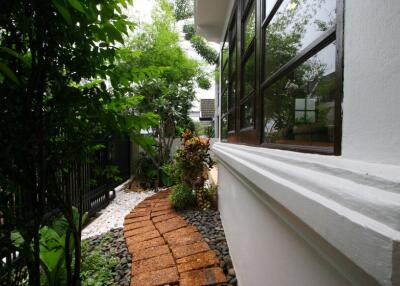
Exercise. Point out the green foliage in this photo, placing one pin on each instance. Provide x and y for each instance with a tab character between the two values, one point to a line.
189	31
200	45
182	197
97	266
53	246
203	48
55	60
171	174
146	171
165	78
183	9
193	159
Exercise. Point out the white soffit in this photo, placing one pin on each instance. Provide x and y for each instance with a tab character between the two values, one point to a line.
353	205
210	17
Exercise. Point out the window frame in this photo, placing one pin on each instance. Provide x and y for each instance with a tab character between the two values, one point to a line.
248	133
253	135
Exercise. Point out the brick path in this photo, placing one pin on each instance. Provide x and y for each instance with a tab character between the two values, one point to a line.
165	249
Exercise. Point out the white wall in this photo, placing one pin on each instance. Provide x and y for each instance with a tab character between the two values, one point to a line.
371	104
265	251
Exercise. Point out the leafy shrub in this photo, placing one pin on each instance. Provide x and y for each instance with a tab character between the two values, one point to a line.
146	171
182	197
170	174
193	159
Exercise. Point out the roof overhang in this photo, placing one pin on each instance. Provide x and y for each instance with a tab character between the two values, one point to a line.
210	17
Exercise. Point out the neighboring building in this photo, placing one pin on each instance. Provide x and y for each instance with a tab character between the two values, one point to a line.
309	160
207	110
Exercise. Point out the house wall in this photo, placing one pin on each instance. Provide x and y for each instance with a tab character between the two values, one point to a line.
371	103
264	249
312	220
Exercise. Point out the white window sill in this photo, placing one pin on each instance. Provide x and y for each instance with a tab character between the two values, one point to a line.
353	205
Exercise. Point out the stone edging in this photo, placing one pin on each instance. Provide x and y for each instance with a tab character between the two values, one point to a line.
165	249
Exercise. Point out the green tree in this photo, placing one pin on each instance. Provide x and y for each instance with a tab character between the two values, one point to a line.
56	58
167	77
183	9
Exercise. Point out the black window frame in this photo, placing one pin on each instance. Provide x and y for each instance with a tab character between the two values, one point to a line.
253	135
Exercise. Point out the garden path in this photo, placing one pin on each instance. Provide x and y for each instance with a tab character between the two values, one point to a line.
165	249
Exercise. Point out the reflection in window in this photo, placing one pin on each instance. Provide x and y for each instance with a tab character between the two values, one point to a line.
224	102
299	108
225	53
296	24
249	28
224	127
249	76
231	121
232	95
225	80
247	114
268	5
233	60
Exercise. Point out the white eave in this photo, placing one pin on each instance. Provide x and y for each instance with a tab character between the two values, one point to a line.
210	17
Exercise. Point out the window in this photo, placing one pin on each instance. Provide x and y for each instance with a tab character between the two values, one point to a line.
248	77
299	108
249	27
229	81
295	25
286	74
224	89
268	6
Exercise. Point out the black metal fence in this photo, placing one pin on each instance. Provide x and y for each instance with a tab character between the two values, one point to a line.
89	184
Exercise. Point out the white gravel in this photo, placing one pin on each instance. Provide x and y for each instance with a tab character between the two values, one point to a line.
113	215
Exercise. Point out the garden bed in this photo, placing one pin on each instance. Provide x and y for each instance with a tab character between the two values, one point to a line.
105	260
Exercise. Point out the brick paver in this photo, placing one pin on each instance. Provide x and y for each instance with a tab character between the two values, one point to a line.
134	247
158	277
165	249
208	276
189	249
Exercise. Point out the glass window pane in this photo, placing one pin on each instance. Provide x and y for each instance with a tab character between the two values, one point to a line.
249	76
268	5
225	53
224	127
224	79
249	27
224	102
231	121
247	114
296	24
299	109
232	95
233	60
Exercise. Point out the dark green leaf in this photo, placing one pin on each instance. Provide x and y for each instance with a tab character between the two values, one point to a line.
8	72
113	33
76	5
63	11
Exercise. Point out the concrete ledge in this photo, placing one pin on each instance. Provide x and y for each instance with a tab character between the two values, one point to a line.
352	205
